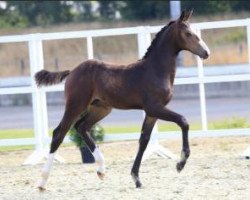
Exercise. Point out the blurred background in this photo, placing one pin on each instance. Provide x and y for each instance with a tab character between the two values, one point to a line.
227	103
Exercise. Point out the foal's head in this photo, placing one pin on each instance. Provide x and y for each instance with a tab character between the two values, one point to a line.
187	39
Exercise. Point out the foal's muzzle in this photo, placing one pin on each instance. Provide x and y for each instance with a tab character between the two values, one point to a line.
205	54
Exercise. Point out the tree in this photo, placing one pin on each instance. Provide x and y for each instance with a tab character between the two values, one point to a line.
41	12
108	9
83	10
33	13
144	10
209	7
241	5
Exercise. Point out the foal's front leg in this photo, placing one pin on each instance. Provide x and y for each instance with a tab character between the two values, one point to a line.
147	128
163	113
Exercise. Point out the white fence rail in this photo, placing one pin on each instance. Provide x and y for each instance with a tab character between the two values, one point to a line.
40	117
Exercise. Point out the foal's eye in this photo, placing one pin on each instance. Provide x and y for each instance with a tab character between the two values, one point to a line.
188	34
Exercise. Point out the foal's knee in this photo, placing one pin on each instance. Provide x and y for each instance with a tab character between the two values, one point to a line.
184	124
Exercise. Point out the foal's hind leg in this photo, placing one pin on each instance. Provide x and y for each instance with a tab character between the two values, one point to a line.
97	111
147	128
70	115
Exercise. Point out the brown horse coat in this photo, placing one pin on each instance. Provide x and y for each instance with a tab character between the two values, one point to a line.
95	87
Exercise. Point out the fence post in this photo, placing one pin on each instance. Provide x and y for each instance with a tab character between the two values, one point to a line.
246	153
90	47
248	41
144	40
39	104
202	91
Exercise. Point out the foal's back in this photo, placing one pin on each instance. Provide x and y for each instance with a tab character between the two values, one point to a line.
120	86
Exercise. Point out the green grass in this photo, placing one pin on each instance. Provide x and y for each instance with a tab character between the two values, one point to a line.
16	148
20	133
229	123
162	127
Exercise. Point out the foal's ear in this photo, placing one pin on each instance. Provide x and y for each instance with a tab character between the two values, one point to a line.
185	15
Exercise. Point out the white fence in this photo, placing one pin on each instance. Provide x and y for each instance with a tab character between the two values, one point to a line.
40	117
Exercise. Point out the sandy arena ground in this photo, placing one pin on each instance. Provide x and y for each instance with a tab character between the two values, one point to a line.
214	171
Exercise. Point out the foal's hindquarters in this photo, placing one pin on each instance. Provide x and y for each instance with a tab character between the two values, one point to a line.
78	101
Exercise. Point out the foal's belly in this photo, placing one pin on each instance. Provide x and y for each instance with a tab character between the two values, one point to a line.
126	106
123	103
121	99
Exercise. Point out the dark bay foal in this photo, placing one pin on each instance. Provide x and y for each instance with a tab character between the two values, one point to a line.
96	87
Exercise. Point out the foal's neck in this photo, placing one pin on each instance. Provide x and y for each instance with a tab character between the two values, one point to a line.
163	59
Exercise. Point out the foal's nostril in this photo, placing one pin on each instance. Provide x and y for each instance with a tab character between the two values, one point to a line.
205	55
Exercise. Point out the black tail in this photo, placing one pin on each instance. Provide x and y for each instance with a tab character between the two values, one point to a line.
45	77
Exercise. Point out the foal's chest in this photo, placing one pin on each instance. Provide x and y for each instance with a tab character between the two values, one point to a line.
164	91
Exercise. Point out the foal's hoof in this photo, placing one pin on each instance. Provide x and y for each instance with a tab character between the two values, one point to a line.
136	180
100	175
180	166
41	189
138	184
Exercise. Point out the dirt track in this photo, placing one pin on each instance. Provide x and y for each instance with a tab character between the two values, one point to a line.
214	171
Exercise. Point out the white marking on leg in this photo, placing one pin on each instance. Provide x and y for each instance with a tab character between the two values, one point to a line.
100	159
46	170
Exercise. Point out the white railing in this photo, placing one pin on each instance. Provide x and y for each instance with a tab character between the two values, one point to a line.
40	117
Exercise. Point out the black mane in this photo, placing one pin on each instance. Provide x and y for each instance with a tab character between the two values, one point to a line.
155	40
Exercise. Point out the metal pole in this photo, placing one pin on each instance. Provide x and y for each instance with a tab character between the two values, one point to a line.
202	91
175	12
39	104
42	96
143	41
246	153
175	9
248	42
35	96
90	48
